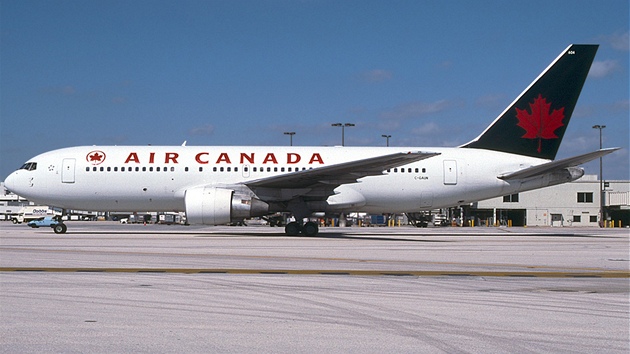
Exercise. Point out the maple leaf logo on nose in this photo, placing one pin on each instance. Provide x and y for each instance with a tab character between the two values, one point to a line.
541	123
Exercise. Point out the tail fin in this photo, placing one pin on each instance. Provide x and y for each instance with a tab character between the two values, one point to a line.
534	124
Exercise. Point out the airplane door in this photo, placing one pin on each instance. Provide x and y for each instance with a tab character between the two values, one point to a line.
450	172
67	170
245	169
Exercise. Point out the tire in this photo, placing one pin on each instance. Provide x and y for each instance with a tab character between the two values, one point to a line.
310	229
292	229
60	228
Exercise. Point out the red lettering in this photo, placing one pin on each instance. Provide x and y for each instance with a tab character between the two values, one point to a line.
198	158
223	158
249	158
316	158
133	157
293	157
171	156
270	158
151	157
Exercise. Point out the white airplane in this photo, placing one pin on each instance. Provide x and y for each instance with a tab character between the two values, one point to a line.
219	184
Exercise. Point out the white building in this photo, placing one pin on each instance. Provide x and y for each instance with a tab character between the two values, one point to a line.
570	204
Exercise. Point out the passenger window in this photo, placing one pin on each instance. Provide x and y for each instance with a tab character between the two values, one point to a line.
157	169
424	170
186	169
200	169
172	169
87	169
144	169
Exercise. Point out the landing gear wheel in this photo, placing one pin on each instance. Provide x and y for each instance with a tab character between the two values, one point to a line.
310	229
60	228
292	229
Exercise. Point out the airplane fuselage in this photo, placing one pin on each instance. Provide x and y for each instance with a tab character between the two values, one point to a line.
155	178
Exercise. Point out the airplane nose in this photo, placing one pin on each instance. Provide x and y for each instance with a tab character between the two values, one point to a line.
10	182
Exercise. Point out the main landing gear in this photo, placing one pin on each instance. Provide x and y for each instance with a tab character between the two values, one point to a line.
308	229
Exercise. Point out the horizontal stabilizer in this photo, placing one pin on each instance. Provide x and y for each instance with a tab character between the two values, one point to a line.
556	165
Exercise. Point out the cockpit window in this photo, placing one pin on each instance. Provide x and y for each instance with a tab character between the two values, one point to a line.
29	166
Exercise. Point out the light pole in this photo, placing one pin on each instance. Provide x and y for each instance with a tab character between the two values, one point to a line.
290	134
386	136
343	143
602	219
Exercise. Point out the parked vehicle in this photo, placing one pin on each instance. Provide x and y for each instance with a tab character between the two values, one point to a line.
49	221
31	212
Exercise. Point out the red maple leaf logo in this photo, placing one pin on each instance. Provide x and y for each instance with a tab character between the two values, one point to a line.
95	157
541	123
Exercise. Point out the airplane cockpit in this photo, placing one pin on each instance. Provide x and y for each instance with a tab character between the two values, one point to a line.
29	166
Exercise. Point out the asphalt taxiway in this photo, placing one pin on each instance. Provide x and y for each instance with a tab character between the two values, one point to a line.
106	287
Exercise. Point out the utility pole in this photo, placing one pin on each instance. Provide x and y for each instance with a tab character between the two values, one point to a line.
386	136
290	134
602	220
343	143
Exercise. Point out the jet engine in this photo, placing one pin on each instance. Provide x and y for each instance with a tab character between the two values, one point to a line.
216	206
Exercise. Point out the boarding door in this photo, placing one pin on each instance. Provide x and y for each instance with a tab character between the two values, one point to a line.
450	172
67	170
245	170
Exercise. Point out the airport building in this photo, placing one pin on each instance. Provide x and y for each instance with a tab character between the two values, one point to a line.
574	204
570	204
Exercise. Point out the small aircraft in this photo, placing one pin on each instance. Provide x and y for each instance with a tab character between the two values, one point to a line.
219	184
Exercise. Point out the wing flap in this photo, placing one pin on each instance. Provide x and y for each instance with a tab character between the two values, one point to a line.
556	165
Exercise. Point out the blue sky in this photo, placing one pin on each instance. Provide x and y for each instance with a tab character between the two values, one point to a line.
429	73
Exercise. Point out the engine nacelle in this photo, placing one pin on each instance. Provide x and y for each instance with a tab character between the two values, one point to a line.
216	206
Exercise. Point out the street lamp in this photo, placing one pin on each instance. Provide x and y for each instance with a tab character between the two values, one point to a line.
343	143
386	137
290	134
601	179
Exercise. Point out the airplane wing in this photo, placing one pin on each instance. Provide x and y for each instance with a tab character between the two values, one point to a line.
320	182
556	165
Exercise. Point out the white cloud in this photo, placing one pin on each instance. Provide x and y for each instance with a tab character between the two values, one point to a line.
620	41
376	75
207	129
604	68
429	128
415	109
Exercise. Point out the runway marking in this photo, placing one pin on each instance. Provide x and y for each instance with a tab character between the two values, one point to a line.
416	273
